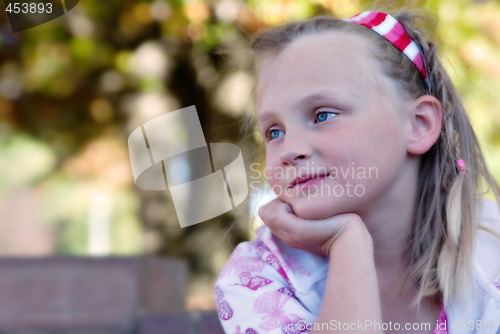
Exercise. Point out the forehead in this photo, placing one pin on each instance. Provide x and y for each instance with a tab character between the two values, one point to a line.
336	60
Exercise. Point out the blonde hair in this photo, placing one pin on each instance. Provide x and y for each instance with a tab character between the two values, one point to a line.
441	244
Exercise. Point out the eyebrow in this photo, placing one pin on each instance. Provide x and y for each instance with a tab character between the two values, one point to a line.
264	116
324	95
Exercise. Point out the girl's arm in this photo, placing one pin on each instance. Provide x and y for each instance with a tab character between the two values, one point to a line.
351	300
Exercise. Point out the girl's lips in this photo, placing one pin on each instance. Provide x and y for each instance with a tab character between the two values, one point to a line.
301	183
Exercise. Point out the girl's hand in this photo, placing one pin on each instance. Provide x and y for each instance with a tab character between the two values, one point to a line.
315	236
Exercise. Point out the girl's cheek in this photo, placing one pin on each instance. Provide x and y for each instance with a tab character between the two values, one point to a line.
276	186
270	175
273	175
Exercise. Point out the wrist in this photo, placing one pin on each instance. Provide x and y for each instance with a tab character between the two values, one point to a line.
356	238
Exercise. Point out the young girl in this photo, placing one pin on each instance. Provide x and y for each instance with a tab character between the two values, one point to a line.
379	225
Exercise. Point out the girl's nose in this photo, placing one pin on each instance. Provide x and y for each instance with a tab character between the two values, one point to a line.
294	150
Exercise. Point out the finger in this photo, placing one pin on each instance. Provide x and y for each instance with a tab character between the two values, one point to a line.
297	231
279	217
267	210
274	210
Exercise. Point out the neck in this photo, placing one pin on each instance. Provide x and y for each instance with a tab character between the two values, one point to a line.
389	221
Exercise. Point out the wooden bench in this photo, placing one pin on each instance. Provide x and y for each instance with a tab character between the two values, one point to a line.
77	295
183	323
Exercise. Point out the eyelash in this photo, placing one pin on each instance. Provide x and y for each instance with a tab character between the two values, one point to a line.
319	112
315	117
269	134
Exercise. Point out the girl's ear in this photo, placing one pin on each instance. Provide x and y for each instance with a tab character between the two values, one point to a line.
426	119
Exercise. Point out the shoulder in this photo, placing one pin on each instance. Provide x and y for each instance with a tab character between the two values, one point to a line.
490	214
488	243
488	237
260	288
481	303
253	258
269	255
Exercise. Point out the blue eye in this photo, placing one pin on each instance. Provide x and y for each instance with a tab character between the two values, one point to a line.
323	116
274	133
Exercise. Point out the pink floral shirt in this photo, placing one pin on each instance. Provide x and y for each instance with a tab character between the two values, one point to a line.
269	287
265	288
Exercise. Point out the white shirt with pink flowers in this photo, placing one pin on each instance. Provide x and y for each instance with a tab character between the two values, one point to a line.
269	287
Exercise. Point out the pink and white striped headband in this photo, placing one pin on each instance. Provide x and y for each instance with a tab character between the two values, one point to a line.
388	27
